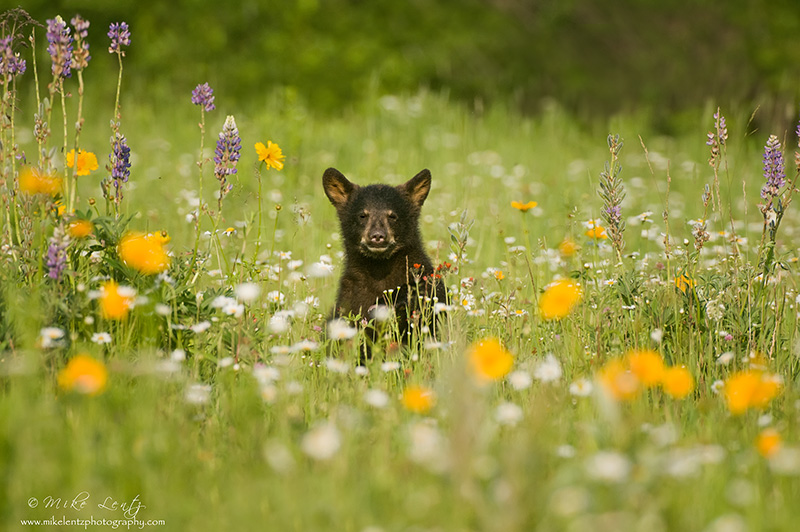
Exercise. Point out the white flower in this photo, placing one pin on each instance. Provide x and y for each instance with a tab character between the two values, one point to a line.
319	270
101	338
656	335
50	336
278	324
608	466
427	446
225	362
726	358
339	329
508	414
581	388
389	366
162	309
276	297
381	313
233	309
336	365
279	457
520	380
305	345
179	355
203	326
376	398
548	370
197	394
266	374
361	371
322	442
247	292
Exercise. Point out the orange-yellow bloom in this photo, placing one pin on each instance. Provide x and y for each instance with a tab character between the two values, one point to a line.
80	228
271	154
489	360
33	181
558	299
83	374
750	389
647	366
524	207
567	247
598	232
87	162
145	252
619	381
684	283
677	382
115	301
418	399
768	442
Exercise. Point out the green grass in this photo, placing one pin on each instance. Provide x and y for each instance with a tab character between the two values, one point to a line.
237	461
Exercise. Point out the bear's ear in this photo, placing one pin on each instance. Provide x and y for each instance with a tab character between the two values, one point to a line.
417	188
337	187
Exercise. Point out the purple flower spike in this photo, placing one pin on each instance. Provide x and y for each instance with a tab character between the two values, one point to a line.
204	95
774	172
80	56
120	36
57	253
60	47
226	155
10	63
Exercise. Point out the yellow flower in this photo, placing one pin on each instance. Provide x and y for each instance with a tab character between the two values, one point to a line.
490	361
499	275
418	399
567	247
83	374
750	389
647	366
87	161
598	232
33	181
768	442
145	252
80	228
677	382
524	207
684	283
115	301
559	298
271	154
618	381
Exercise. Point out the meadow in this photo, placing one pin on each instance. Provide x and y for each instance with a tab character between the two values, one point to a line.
618	351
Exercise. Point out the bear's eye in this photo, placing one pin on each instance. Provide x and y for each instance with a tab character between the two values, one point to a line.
364	215
392	216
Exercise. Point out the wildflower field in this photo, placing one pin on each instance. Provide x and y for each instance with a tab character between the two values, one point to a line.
618	351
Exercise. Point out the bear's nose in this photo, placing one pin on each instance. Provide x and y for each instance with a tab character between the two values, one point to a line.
377	237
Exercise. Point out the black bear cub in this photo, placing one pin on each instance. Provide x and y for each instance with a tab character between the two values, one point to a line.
384	260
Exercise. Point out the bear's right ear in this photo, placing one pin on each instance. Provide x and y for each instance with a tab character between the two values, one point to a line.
337	187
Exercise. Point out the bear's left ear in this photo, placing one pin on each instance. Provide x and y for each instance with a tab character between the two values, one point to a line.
417	188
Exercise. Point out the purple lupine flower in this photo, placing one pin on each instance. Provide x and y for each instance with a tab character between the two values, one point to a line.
80	55
60	47
717	138
120	164
204	95
774	172
226	155
10	63
120	36
613	214
56	259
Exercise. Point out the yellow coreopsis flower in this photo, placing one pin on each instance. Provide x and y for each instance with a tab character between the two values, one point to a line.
677	382
271	154
647	366
618	381
87	162
115	301
684	283
145	252
567	247
524	207
80	228
597	232
33	181
768	442
490	361
83	374
750	389
418	399
558	299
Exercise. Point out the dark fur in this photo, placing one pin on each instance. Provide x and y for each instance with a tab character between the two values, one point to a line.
382	244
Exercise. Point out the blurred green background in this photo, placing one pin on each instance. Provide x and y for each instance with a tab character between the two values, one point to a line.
593	57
